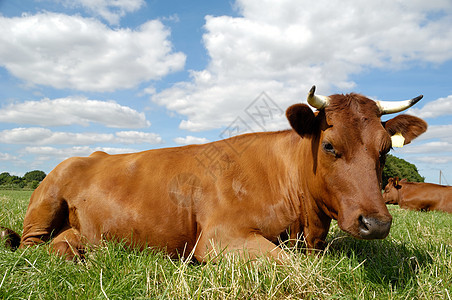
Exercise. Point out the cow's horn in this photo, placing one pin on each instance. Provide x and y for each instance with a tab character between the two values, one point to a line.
317	101
390	107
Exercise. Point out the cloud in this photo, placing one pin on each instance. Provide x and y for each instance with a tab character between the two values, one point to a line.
435	159
137	137
51	153
72	52
190	140
43	136
110	10
47	155
284	49
442	132
9	158
437	108
432	150
73	110
430	147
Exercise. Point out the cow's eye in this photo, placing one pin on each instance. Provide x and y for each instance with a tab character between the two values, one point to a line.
328	147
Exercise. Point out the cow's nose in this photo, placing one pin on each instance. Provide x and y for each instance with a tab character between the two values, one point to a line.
373	228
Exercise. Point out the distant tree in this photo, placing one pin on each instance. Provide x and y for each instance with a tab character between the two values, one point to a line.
35	175
398	167
5	178
34	184
16	181
30	180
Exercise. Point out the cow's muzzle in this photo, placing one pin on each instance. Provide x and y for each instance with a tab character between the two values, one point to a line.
373	228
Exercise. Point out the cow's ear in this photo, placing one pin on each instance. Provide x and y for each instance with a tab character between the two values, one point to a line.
409	127
396	183
301	118
390	181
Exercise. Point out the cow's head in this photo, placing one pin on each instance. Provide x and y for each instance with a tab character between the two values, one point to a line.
391	193
344	160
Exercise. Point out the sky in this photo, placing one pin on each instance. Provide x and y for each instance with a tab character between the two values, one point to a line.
130	75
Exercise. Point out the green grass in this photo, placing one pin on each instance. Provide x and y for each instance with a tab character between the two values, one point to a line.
414	262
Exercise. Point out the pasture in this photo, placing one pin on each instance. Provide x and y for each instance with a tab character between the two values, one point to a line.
413	262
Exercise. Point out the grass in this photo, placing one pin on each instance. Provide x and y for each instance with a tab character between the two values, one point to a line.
414	262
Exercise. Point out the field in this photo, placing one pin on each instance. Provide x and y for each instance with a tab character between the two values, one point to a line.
413	262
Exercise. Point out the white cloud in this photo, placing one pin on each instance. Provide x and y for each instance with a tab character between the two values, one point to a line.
437	108
110	10
442	132
47	155
43	136
430	147
431	151
73	110
9	158
435	159
51	153
284	49
190	140
137	137
78	53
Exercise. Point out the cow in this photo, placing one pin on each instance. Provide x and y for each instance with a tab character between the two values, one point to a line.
418	195
236	195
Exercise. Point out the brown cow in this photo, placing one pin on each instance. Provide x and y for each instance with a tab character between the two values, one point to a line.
418	195
238	194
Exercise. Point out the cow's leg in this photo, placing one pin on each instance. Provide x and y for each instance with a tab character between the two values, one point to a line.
68	244
256	246
315	231
46	216
248	246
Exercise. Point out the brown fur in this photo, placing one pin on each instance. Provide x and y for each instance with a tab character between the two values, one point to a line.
238	194
11	239
418	195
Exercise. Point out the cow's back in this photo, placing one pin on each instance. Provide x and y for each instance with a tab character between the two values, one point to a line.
426	196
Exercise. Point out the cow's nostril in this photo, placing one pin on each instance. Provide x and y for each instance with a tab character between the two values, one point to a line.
362	223
373	228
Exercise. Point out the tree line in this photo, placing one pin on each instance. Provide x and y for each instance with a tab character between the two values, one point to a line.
30	180
394	167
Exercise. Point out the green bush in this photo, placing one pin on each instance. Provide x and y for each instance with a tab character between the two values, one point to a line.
35	175
398	167
30	180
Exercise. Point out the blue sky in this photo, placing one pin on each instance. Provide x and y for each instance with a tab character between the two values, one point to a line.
131	75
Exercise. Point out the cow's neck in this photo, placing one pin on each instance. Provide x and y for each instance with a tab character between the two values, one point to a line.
313	218
300	166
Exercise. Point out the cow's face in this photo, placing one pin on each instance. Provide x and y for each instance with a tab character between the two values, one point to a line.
391	192
348	144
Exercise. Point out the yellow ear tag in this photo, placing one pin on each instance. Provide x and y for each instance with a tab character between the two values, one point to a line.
397	140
